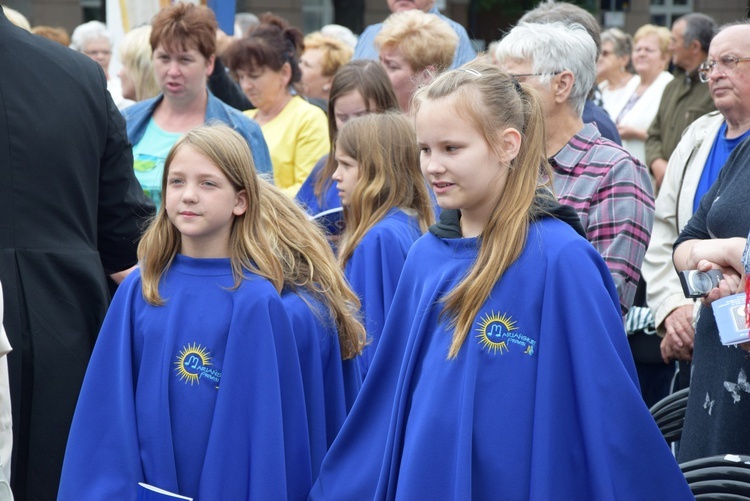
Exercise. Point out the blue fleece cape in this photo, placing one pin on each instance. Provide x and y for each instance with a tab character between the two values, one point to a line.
330	199
201	396
331	384
306	194
373	271
542	402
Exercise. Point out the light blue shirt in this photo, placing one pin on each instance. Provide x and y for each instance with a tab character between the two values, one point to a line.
149	155
464	50
138	115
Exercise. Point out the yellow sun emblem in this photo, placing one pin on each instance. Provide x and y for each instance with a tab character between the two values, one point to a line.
492	329
190	360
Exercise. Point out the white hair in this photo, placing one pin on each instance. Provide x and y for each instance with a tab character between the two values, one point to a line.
245	21
341	33
86	32
552	48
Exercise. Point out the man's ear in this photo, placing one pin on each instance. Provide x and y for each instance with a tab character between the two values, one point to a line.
695	47
562	86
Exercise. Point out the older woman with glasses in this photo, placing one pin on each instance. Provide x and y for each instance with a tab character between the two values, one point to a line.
614	70
94	40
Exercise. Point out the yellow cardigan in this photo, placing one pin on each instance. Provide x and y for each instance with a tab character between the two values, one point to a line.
297	138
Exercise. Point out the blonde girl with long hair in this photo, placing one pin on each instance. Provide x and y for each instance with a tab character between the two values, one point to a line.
386	209
194	385
324	313
503	370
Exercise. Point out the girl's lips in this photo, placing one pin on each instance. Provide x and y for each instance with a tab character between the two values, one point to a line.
441	187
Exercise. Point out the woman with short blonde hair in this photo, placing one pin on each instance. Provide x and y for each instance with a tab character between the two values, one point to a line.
413	46
323	55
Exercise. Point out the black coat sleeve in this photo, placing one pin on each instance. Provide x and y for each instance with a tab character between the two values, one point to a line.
120	198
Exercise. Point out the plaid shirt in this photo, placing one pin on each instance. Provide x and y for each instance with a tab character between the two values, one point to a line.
612	193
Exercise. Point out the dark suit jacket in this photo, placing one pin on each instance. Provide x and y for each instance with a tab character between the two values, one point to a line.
70	210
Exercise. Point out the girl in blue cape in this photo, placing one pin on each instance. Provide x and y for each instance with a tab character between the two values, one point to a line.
503	371
358	88
386	208
324	314
194	385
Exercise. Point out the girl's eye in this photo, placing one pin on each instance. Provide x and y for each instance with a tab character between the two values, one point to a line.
424	150
209	183
175	181
451	148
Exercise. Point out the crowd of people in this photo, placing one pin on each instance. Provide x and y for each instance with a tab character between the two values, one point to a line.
275	266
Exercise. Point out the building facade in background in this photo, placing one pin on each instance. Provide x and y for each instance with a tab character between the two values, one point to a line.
482	25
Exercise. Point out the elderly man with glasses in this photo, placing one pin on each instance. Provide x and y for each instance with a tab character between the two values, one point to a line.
718	405
609	189
692	169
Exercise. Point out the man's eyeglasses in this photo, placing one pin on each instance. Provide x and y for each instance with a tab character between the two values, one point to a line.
726	63
527	75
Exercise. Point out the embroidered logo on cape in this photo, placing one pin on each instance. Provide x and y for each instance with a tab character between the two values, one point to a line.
497	333
194	363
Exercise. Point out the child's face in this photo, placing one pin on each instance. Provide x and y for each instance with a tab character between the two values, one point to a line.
345	175
202	204
348	106
460	167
